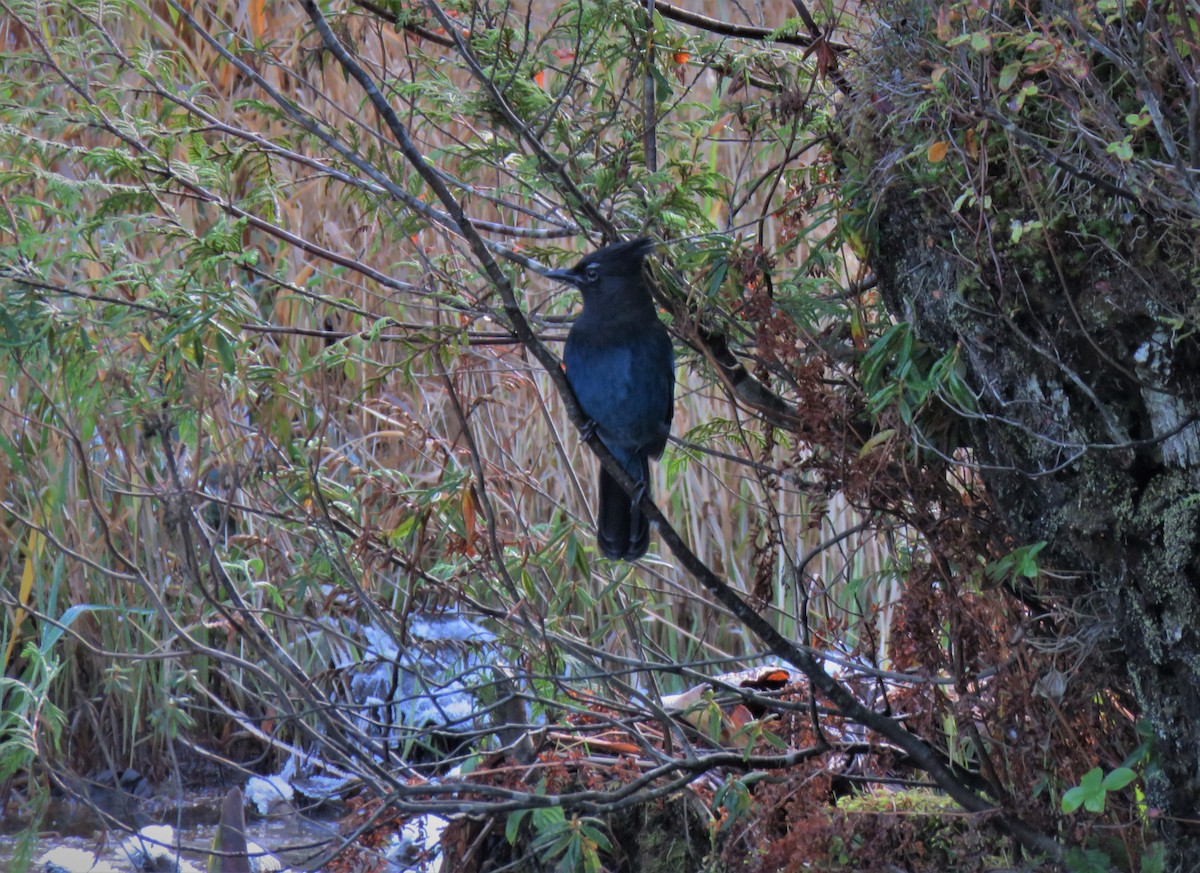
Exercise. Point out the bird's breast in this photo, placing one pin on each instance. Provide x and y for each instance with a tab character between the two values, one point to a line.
623	381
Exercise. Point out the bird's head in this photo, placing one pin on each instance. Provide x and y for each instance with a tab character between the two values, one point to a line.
619	260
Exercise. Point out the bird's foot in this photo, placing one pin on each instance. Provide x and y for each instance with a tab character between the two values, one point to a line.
589	429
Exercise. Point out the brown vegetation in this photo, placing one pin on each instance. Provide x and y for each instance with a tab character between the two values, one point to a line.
281	393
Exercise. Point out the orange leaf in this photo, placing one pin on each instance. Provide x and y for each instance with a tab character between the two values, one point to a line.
826	58
942	27
972	145
468	511
33	551
258	18
721	125
937	151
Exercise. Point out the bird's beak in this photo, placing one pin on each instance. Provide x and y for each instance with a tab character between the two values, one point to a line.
567	276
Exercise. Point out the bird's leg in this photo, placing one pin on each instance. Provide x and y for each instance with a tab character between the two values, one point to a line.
639	491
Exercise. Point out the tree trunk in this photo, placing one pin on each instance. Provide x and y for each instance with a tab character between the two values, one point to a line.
1086	443
1079	340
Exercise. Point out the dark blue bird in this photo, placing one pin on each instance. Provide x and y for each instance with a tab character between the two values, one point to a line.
622	370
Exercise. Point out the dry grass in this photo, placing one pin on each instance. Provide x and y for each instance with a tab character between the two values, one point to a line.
367	392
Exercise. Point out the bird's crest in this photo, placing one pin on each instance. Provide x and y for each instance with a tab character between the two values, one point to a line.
633	249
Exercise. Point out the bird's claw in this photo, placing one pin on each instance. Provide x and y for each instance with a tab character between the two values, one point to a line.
588	430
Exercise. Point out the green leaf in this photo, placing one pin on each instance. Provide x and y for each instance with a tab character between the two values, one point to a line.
1089	793
1118	779
1072	799
1123	150
548	818
662	85
596	836
1087	861
878	439
1008	76
512	827
1154	859
225	353
717	278
1025	560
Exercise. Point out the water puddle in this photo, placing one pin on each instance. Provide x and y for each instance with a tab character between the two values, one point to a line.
296	839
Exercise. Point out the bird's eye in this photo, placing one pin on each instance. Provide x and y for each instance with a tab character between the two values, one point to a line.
592	272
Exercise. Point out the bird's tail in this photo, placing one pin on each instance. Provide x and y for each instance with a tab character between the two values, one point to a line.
622	531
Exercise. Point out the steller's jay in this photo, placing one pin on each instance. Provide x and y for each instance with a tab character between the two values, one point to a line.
622	370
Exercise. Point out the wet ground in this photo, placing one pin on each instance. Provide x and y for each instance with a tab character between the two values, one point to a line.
298	839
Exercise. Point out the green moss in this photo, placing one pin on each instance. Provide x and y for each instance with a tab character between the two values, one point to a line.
915	829
913	800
